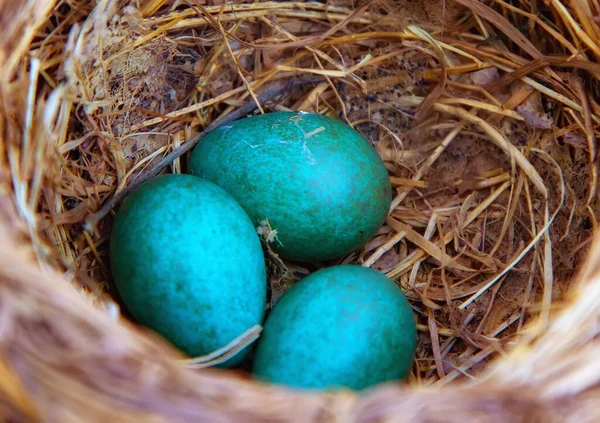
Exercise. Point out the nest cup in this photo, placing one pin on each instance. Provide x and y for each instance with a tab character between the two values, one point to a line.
485	114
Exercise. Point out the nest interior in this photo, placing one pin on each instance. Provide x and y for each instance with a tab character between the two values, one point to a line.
485	113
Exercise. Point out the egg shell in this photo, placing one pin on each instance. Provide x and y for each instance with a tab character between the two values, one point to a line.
340	327
319	183
188	263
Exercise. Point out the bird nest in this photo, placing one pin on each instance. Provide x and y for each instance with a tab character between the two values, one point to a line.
485	114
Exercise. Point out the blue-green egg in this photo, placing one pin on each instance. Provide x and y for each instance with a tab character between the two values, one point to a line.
187	262
341	327
320	185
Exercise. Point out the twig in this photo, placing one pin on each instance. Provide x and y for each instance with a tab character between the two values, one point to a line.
156	168
225	353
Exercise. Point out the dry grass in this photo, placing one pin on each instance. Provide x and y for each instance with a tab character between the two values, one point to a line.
465	245
486	115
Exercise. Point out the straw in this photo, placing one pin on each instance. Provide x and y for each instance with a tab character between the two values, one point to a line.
485	114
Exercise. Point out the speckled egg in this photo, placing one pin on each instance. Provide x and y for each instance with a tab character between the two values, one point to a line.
341	327
188	263
321	186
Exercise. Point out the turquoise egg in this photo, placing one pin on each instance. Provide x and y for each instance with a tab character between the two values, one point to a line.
187	262
341	327
316	180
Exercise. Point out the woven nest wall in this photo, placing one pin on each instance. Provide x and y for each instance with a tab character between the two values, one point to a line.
485	113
